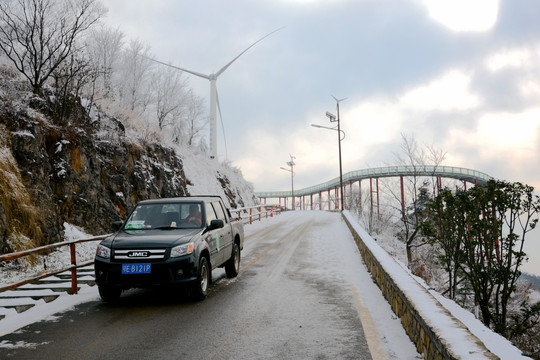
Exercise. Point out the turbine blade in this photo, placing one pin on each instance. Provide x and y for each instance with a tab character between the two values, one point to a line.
207	77
338	100
222	126
242	53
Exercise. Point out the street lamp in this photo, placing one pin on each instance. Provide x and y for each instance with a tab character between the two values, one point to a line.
291	164
332	119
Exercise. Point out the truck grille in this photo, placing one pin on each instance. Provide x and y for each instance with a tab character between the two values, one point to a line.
139	254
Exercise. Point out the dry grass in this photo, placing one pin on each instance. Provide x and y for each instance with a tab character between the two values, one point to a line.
21	215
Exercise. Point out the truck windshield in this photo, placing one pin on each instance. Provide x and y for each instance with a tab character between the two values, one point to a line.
165	216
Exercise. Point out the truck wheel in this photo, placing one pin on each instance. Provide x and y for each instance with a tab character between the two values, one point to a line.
200	287
232	267
109	293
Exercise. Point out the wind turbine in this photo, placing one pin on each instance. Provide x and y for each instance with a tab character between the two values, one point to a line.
214	101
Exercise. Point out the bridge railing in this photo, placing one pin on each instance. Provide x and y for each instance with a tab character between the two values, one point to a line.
254	213
73	267
453	172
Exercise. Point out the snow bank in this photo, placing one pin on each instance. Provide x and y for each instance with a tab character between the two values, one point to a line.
208	177
45	311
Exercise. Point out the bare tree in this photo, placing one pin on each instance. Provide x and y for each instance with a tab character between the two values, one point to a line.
134	77
435	156
170	95
105	50
70	77
415	189
196	117
188	122
38	35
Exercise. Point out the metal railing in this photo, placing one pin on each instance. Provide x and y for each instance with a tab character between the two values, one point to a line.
73	267
390	171
248	214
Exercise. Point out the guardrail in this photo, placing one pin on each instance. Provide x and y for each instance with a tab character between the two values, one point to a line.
256	212
73	267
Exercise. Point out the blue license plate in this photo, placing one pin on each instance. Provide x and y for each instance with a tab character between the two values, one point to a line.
136	268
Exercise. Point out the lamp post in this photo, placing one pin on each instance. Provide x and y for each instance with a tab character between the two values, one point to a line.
291	164
332	119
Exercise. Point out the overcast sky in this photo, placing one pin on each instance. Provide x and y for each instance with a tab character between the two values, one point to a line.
462	75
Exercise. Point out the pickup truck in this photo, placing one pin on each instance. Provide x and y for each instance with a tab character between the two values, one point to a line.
174	241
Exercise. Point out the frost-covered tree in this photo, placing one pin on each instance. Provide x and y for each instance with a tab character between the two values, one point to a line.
39	35
73	74
170	92
134	77
415	190
48	41
196	118
104	51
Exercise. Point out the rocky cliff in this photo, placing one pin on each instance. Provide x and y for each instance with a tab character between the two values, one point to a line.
83	171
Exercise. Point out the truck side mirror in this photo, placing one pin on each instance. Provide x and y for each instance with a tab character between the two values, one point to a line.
216	224
117	225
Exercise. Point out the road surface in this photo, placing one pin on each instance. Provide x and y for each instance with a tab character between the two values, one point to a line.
302	293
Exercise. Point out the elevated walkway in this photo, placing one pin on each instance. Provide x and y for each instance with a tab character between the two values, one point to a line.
463	174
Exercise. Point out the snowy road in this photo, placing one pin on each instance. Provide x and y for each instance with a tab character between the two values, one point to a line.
303	293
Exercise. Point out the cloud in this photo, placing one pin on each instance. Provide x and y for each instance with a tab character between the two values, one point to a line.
530	88
374	121
311	2
523	65
448	92
502	144
514	58
516	131
464	15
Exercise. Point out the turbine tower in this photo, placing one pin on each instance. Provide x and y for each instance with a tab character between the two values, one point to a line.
214	101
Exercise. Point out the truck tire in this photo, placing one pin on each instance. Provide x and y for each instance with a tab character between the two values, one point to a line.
232	267
109	293
200	287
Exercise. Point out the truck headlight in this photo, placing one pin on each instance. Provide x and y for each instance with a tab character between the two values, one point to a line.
103	252
182	250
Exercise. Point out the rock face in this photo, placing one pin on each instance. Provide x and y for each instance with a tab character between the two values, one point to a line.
83	171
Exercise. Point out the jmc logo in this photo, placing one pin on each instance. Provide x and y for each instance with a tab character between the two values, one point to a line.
135	254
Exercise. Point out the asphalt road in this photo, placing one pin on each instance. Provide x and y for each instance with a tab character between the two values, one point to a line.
290	301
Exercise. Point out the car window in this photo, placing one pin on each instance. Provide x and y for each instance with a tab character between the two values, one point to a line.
168	215
219	210
210	213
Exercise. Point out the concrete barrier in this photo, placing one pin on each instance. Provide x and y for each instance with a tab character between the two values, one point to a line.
435	332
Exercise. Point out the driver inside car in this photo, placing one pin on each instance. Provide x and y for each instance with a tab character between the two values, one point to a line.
194	215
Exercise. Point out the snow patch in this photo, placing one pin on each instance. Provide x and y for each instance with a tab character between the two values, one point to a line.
6	344
23	133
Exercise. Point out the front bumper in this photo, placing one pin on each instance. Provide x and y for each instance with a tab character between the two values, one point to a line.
170	271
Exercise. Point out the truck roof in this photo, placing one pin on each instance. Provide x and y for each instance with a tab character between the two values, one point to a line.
200	198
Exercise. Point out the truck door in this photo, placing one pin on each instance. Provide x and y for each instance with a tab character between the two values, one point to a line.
226	232
213	237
